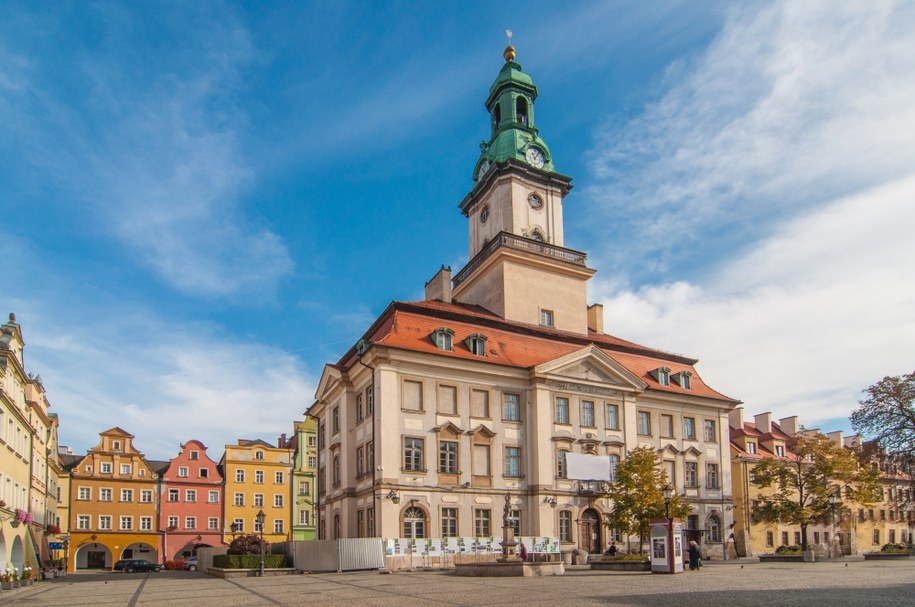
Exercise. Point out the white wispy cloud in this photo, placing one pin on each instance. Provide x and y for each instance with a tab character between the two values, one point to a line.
147	147
783	157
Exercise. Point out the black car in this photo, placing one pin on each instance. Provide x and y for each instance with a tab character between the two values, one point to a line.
131	565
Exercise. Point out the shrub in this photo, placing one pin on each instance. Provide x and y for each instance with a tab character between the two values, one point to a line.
788	550
894	548
248	561
246	544
626	557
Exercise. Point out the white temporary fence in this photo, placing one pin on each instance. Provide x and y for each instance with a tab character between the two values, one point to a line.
333	555
465	546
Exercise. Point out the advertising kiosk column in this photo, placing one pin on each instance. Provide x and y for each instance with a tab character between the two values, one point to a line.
666	546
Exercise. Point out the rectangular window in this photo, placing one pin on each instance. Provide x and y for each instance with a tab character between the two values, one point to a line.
360	523
562	467
565	526
259	476
546	318
104	495
335	421
614	464
146	496
816	537
259	500
689	428
751	448
145	523
238	525
360	462
482	522
183	471
770	539
449	522
644	423
303	517
413	454
892	536
667	426
194	455
278	526
203	473
481	461
126	495
513	462
369	401
82	521
213	523
190	495
784	538
613	416
312	461
335	470
691	474
239	499
84	493
173	522
277	500
125	468
587	413
711	436
514	519
370	522
190	522
173	495
797	538
711	478
239	476
447	400
562	410
412	395
213	497
448	457
322	481
104	523
511	407
360	409
106	468
479	404
780	450
258	527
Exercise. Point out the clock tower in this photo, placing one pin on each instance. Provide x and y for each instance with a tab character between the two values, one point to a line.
519	267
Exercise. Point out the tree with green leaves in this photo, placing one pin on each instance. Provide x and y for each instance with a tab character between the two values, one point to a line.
638	494
813	468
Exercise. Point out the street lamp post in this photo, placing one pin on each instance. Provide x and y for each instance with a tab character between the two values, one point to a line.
260	522
668	493
833	497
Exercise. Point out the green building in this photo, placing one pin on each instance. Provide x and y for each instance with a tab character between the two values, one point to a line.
304	442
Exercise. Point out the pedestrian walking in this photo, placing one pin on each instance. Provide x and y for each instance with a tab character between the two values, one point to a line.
695	557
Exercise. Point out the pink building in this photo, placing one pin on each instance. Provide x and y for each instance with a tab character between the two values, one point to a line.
191	502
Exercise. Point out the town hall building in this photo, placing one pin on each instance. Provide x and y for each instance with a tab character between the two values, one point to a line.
447	405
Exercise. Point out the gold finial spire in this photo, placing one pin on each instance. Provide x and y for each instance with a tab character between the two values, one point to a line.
509	53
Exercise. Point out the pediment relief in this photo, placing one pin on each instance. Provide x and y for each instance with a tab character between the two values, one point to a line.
590	370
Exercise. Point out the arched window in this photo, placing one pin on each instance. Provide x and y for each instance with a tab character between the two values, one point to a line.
714	528
496	116
537	235
521	110
414	523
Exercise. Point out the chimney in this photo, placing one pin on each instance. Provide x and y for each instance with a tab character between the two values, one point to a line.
596	318
735	418
763	422
281	441
440	286
788	425
836	437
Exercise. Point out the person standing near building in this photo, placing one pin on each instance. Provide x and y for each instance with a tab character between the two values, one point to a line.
695	560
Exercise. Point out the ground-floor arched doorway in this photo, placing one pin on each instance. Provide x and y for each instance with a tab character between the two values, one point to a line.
590	531
188	550
139	550
93	555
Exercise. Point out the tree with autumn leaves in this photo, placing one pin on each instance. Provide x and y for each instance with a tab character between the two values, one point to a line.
638	494
814	468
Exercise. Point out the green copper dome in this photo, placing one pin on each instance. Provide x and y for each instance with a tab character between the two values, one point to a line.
514	133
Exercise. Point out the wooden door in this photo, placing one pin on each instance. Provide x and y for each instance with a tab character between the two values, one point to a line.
590	531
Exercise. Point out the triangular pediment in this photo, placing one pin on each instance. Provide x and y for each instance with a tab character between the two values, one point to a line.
329	378
592	366
692	451
482	430
448	428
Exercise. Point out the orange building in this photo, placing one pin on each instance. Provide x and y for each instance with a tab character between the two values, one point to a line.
113	505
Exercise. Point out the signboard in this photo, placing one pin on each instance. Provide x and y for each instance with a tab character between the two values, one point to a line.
585	467
56	545
662	561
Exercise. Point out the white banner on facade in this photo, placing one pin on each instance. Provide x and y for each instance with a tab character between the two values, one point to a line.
583	467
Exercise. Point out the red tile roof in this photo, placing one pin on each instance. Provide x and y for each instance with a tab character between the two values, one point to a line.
408	326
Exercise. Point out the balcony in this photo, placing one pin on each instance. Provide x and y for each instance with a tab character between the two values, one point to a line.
519	243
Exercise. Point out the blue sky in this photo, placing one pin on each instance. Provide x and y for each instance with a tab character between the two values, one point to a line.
202	203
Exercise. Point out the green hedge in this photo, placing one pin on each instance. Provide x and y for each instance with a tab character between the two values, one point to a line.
895	548
248	561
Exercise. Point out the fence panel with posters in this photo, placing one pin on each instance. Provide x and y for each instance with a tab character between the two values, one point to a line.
464	547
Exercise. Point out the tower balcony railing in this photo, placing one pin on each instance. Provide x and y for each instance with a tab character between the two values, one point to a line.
519	243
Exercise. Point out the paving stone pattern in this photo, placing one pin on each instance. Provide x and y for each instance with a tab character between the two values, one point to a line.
870	584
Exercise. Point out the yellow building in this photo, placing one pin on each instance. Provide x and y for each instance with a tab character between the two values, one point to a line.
113	505
890	520
258	479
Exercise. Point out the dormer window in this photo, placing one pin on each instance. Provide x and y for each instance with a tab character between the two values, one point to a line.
751	448
258	455
683	379
116	445
546	318
780	450
662	374
476	343
443	338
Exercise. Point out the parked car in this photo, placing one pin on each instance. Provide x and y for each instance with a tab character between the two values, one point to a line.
190	563
131	565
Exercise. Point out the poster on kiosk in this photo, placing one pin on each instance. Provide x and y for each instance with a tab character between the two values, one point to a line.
666	558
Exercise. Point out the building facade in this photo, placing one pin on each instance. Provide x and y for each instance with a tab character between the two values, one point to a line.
482	390
304	473
114	505
191	497
257	479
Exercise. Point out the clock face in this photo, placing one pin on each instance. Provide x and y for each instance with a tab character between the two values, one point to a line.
534	157
535	201
484	166
484	214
